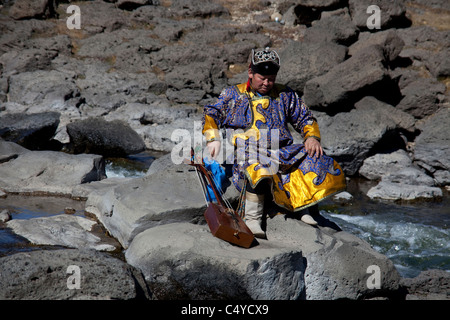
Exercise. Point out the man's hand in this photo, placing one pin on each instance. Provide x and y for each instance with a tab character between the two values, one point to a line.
313	147
213	148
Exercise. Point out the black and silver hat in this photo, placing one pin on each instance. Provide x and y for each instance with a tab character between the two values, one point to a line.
265	61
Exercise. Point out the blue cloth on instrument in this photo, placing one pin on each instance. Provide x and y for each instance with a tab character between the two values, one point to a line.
218	174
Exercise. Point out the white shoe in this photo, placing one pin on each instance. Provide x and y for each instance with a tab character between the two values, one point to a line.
254	206
306	218
255	228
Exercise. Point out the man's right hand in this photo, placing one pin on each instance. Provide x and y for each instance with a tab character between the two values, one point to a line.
213	148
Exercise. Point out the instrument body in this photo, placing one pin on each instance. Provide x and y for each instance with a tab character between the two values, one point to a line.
228	226
223	221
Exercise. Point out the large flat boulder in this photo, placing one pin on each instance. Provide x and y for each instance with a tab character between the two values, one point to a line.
49	172
60	230
184	261
170	193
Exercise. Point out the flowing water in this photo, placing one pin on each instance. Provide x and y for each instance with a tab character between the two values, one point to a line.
414	235
132	166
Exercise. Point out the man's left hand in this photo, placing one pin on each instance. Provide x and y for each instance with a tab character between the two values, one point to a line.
313	147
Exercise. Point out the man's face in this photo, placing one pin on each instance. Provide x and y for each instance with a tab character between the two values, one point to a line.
262	84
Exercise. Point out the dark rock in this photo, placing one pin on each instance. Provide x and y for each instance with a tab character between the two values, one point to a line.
124	49
426	46
389	40
392	13
404	121
24	9
52	47
439	63
45	275
181	76
32	131
132	4
428	285
104	90
238	51
349	137
50	88
319	4
170	30
211	32
305	61
339	29
197	9
300	15
348	81
26	60
435	4
99	16
422	97
99	136
189	96
306	12
378	165
424	37
432	147
168	57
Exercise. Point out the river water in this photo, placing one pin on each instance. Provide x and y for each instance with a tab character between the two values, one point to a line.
414	235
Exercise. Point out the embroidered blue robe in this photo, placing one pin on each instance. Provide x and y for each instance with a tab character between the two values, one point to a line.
264	147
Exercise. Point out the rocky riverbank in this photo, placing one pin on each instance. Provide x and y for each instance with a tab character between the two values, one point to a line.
136	71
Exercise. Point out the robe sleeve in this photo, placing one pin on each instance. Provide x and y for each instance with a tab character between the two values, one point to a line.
213	117
302	119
